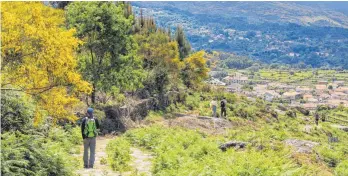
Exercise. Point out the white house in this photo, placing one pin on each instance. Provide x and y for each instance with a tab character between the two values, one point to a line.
270	95
234	87
237	78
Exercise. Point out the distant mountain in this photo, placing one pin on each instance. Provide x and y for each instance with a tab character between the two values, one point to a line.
315	33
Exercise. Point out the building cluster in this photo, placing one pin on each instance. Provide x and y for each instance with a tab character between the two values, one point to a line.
323	92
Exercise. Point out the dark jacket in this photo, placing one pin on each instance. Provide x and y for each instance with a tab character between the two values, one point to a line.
84	124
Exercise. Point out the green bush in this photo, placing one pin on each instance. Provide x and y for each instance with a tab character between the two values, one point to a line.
23	154
17	112
118	152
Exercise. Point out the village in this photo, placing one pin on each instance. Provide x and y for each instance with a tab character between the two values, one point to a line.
323	92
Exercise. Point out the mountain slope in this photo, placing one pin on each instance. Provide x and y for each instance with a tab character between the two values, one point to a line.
277	32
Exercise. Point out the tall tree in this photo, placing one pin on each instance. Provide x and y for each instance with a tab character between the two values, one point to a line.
160	58
195	70
38	57
108	57
184	44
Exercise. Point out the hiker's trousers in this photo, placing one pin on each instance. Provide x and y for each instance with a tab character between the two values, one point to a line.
89	143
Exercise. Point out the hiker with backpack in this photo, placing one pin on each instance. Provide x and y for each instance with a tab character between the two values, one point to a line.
223	104
89	128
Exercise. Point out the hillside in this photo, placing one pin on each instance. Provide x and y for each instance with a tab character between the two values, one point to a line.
273	32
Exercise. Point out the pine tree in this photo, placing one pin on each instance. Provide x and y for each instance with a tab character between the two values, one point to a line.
184	45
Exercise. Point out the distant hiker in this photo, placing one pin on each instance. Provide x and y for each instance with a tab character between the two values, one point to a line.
223	107
213	106
316	117
323	117
89	128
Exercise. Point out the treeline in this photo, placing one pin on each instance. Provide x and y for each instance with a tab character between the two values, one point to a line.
59	57
88	49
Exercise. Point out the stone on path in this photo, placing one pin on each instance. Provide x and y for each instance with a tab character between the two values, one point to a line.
301	146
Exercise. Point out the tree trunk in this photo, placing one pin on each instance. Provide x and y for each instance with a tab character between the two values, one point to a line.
93	94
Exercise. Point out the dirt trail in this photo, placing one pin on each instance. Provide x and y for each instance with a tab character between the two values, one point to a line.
141	162
99	169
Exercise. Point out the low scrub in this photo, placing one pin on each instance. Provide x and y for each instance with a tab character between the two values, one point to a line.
118	152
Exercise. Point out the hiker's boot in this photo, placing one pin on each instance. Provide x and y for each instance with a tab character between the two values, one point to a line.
85	166
91	166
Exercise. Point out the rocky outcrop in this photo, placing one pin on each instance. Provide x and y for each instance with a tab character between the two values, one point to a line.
301	146
120	118
303	110
235	144
341	127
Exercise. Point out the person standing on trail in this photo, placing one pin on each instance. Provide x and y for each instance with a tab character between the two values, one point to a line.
316	117
89	128
223	107
213	106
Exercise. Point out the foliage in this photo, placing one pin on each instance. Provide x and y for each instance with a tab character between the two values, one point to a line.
37	154
17	113
195	70
161	61
118	151
38	57
236	62
184	44
108	57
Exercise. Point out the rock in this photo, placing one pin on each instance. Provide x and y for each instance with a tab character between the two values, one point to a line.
301	146
283	108
235	144
307	128
291	114
105	131
341	127
303	110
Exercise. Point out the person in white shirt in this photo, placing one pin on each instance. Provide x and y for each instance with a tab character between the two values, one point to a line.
213	106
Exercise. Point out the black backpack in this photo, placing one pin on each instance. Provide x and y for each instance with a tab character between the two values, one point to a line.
222	103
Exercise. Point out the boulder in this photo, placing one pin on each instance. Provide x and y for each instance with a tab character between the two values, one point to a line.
303	110
283	108
341	127
235	144
301	146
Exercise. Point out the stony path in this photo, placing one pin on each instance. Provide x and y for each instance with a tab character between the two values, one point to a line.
141	162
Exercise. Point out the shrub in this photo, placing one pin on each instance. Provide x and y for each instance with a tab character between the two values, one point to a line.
23	154
118	152
17	112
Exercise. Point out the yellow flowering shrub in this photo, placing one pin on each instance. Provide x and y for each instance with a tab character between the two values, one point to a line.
38	56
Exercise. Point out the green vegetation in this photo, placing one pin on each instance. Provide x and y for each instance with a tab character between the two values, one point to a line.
186	152
108	57
118	151
299	76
